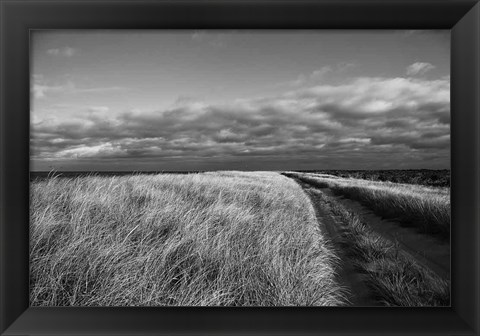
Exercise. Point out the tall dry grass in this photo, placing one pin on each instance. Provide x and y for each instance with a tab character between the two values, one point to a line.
426	208
229	238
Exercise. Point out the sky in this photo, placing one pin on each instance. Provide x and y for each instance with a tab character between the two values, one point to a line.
183	100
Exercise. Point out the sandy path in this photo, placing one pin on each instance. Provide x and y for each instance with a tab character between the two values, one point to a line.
347	276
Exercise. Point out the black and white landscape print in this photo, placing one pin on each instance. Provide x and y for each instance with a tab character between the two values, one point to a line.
240	168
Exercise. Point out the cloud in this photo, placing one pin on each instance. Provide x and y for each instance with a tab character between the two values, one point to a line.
199	35
65	51
320	73
409	33
303	80
98	109
419	68
367	120
40	88
318	76
213	39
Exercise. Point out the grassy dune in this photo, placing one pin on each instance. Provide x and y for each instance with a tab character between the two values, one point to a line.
427	208
227	238
394	278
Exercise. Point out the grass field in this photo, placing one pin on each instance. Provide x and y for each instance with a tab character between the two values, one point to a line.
426	208
226	238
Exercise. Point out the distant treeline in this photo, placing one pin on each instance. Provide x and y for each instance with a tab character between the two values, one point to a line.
436	178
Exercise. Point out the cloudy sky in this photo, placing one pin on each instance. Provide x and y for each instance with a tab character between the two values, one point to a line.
248	100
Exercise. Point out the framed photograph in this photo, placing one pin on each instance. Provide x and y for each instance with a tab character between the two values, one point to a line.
229	167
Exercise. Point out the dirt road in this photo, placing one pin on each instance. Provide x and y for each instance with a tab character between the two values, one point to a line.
425	249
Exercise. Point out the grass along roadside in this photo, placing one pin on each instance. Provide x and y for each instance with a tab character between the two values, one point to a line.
393	277
426	208
226	238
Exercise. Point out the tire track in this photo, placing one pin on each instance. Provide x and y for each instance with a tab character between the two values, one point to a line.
347	275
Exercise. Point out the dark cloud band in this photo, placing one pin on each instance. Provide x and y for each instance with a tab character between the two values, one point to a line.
406	117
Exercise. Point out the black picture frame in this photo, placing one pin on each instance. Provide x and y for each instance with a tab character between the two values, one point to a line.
17	17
